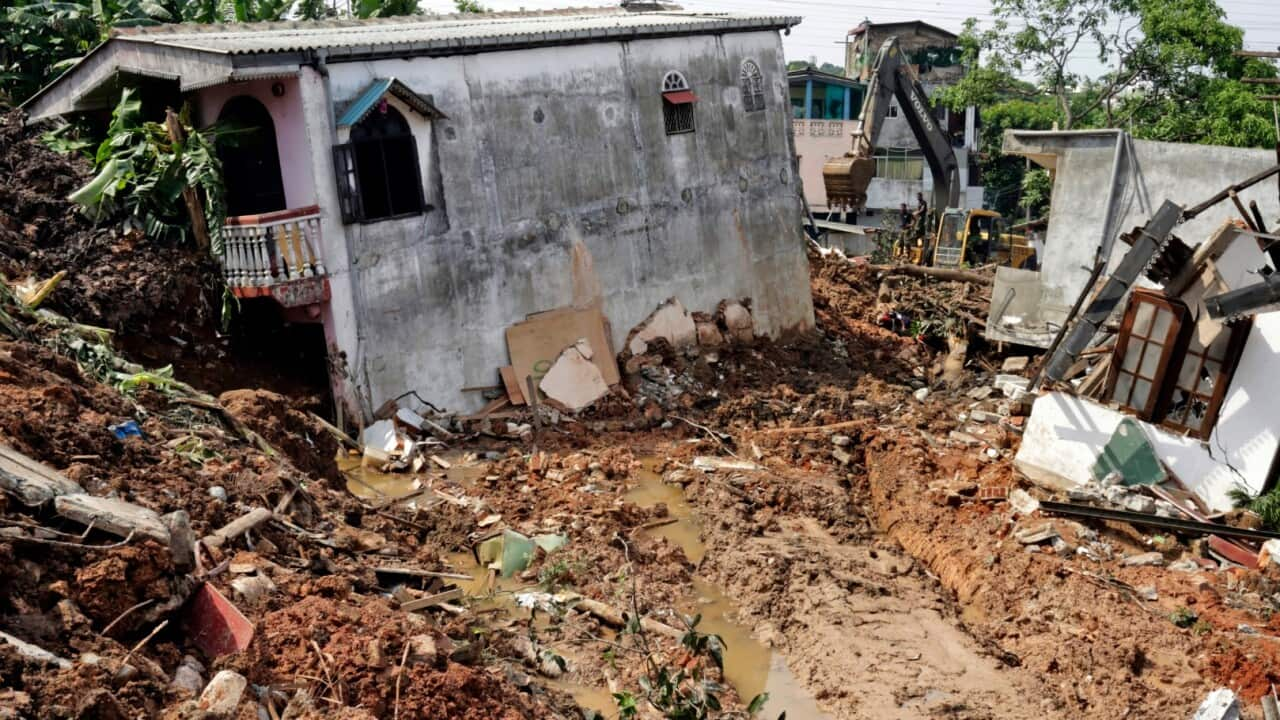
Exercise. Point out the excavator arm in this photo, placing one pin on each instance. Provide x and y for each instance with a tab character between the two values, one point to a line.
847	177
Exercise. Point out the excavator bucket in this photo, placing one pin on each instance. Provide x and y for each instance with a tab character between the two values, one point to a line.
846	179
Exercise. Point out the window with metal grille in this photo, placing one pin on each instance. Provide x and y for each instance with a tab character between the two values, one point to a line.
1171	370
378	172
677	104
751	83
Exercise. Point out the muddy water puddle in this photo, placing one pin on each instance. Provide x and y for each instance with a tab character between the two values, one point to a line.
368	483
749	666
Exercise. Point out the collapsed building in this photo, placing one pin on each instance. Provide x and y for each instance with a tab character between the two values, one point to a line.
1146	357
418	185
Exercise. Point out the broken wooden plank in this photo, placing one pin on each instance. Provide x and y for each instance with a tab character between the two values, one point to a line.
431	600
33	483
612	616
34	652
414	572
238	527
934	272
511	383
113	515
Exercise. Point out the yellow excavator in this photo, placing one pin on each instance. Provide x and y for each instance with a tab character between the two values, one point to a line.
963	236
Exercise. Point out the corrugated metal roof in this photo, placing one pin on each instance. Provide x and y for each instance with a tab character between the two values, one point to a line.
459	33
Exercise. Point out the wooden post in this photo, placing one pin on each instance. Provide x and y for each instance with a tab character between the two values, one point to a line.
195	208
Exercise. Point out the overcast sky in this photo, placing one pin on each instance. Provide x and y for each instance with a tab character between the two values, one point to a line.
822	32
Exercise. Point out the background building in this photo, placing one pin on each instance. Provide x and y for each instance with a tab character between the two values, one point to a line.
826	107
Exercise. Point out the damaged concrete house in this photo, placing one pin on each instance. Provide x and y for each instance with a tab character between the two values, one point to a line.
419	185
1157	358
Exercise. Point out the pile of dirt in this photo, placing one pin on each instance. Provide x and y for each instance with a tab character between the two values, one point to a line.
312	448
115	279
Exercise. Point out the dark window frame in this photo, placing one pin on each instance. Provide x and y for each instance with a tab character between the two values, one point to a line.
352	195
1175	352
1237	335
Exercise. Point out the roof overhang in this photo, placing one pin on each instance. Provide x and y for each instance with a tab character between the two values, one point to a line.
380	88
92	83
1044	147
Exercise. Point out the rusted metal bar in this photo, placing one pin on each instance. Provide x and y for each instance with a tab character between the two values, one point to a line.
1136	518
1225	193
1243	212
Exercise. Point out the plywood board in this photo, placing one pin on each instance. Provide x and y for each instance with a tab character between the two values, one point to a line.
536	343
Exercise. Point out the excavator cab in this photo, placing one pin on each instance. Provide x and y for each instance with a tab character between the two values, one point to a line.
949	243
976	237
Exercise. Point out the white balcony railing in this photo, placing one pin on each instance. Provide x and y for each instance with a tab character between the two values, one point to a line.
822	128
272	248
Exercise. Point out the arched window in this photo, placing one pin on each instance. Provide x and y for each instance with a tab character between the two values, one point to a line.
677	104
378	170
252	163
752	84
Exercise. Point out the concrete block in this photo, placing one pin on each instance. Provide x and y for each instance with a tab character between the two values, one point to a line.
670	321
1221	704
737	318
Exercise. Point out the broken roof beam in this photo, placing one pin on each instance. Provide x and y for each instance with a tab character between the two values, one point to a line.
1205	252
1151	239
1248	300
1228	192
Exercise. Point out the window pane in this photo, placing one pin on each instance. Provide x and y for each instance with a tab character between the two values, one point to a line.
1209	377
1187	375
1151	361
1124	382
1142	320
1218	348
1198	413
401	158
1131	355
1141	392
1178	406
373	180
1164	319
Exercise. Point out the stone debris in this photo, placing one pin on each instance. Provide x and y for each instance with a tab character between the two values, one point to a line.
670	322
222	695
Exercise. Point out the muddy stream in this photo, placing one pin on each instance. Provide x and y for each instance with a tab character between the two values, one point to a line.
749	666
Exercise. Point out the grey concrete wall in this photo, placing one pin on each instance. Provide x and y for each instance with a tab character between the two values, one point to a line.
543	148
1149	173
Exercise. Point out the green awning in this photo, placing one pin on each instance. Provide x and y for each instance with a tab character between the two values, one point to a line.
380	87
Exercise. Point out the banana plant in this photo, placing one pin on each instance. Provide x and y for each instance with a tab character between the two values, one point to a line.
142	173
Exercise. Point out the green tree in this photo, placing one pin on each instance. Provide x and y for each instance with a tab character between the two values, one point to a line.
384	8
39	40
1151	52
469	6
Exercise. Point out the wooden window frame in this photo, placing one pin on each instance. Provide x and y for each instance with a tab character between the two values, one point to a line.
1174	353
1173	340
1239	334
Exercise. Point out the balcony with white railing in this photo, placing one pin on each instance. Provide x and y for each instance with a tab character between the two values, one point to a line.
276	254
